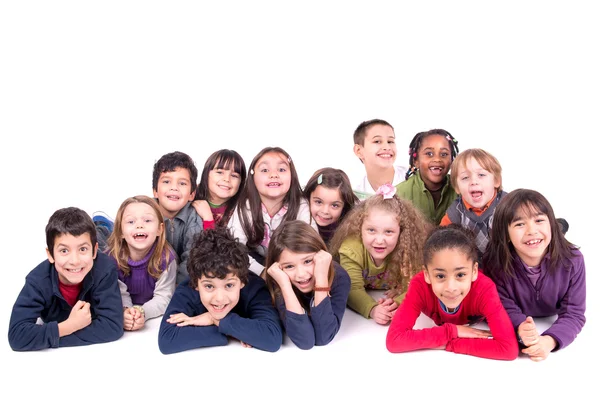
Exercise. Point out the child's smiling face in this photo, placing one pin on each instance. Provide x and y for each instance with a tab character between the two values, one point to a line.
379	148
174	190
326	205
219	296
434	158
73	257
450	274
272	176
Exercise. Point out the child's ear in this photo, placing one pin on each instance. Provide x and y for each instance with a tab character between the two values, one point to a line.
242	284
50	258
155	193
95	251
426	275
358	149
475	272
160	229
497	182
191	196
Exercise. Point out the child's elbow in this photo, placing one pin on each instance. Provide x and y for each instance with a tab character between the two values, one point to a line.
272	347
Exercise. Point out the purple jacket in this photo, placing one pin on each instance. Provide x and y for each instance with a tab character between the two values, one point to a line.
561	292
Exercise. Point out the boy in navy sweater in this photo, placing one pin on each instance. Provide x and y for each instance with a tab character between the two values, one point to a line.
75	292
220	299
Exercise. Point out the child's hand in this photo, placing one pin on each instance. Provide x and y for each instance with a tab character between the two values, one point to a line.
203	209
390	294
138	319
128	318
541	350
381	313
80	315
472	333
322	262
183	320
528	332
246	345
276	272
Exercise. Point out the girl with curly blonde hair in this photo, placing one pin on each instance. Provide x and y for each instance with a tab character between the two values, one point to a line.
380	245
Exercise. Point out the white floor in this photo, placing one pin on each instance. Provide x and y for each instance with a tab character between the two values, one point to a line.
91	95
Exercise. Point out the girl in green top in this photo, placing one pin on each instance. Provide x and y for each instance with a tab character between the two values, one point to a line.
380	245
427	183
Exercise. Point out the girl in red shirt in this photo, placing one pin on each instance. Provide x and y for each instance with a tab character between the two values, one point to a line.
454	294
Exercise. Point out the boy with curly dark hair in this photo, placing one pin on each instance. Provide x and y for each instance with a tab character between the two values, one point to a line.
220	298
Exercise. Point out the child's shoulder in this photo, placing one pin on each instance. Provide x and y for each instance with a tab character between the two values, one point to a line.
104	264
352	243
41	274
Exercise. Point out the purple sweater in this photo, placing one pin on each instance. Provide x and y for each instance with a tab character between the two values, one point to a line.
140	284
560	292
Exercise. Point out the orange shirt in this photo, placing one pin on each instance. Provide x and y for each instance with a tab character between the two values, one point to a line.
478	211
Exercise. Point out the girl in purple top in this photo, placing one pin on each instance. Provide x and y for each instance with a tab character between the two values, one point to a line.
221	183
147	264
538	273
307	287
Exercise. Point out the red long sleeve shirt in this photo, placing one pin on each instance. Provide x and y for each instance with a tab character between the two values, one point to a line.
482	302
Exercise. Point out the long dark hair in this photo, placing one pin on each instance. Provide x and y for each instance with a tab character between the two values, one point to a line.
223	159
253	224
498	259
298	237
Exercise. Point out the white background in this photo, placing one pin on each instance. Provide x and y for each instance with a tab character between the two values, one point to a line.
92	94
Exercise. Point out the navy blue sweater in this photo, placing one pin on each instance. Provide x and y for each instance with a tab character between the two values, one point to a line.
253	320
323	323
41	298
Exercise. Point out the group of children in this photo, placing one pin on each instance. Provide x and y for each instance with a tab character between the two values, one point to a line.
251	254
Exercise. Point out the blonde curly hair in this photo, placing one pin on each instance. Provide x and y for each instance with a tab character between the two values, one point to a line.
406	259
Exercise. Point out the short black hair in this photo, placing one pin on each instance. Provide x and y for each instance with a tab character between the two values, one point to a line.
215	254
72	221
170	162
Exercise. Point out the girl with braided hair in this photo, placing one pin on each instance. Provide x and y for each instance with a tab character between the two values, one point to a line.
427	183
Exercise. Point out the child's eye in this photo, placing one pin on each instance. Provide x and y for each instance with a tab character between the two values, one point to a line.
444	154
460	275
390	232
148	220
464	178
288	266
370	230
165	181
63	251
218	171
377	141
208	286
439	276
282	169
235	175
429	154
308	261
391	141
540	220
518	224
183	183
335	205
318	202
229	285
265	170
482	175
